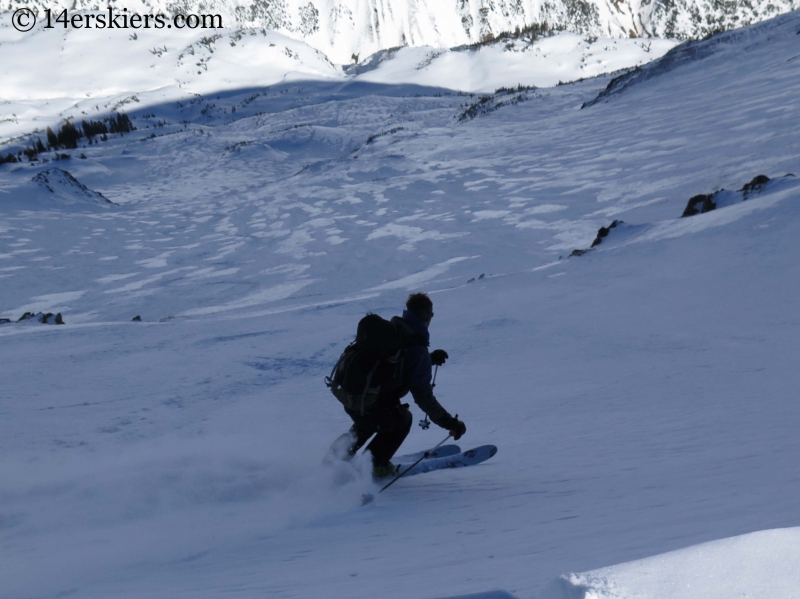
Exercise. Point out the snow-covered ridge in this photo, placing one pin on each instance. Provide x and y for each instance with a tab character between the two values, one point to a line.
346	30
695	51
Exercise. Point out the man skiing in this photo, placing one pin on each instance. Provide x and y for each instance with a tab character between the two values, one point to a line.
385	415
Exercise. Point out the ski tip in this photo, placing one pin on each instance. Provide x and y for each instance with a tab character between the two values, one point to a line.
367	498
492	451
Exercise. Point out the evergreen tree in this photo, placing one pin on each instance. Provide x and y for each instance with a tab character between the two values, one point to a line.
91	128
52	139
69	135
120	123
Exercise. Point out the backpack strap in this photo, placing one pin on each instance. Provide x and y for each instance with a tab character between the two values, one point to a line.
329	380
366	385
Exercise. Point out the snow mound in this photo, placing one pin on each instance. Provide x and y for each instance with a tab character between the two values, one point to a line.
760	564
67	189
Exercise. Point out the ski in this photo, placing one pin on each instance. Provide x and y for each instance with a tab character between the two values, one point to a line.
439	452
459	460
470	457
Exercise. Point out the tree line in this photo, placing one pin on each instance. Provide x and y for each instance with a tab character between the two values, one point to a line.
68	135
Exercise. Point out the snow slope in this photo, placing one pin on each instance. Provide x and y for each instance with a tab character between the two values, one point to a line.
642	395
761	564
549	61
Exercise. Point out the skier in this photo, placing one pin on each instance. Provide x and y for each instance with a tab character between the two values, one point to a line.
386	416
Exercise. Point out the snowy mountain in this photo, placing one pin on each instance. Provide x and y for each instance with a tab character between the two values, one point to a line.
346	30
48	76
210	262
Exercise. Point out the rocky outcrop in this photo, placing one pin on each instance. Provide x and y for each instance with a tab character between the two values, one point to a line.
602	233
706	202
42	317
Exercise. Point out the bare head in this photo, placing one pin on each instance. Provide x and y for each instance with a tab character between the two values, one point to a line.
421	305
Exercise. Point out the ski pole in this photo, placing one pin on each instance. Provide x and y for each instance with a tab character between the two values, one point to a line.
425	455
426	424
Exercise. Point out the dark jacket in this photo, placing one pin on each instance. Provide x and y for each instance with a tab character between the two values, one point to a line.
417	370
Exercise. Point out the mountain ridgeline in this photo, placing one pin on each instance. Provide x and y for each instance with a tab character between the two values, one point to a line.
346	30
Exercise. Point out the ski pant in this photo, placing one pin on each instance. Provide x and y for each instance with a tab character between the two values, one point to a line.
392	423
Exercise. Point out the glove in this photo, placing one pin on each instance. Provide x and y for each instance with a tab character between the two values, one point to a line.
438	356
459	428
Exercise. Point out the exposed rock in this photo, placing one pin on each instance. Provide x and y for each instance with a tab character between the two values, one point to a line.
48	318
707	202
137	318
603	232
699	204
755	186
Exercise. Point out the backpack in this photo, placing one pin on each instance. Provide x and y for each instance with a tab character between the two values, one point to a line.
373	362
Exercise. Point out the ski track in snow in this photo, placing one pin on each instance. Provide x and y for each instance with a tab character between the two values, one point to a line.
642	396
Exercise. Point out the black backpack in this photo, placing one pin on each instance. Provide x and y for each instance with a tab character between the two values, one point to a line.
373	362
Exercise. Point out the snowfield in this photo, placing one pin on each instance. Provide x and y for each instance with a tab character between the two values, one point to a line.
642	394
